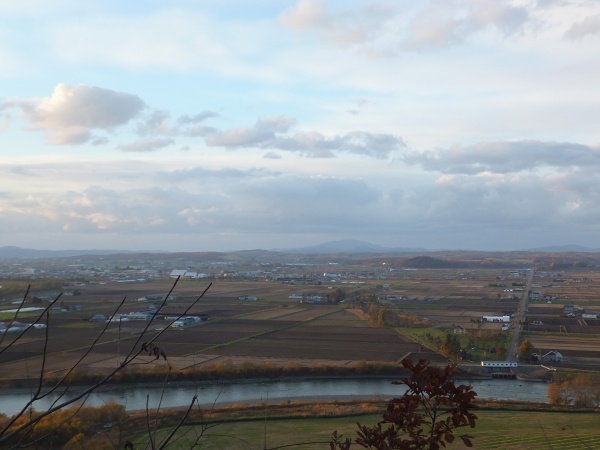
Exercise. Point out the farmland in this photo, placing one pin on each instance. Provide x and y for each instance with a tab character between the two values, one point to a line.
261	331
280	325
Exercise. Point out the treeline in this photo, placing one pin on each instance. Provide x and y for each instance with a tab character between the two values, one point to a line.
384	316
226	370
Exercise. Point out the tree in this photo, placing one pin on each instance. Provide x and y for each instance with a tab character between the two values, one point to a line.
425	417
450	346
526	350
556	393
33	428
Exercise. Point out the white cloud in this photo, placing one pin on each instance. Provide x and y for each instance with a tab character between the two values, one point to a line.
271	134
263	131
589	26
72	112
380	29
349	27
447	22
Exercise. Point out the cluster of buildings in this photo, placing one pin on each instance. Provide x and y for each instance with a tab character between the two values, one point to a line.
12	326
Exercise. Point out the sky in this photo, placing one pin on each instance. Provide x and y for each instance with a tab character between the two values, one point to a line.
222	125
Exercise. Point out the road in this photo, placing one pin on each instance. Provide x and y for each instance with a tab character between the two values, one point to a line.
519	319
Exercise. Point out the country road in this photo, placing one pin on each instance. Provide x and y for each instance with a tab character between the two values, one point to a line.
519	318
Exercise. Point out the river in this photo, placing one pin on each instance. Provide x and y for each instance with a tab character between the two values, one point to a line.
134	398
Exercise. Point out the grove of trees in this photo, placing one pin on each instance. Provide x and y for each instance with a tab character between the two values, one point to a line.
581	390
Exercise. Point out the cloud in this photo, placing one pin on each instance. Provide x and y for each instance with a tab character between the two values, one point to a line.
270	133
342	28
446	22
195	200
23	171
100	140
383	29
263	131
146	145
358	106
203	174
316	145
506	157
156	123
197	118
71	115
587	27
72	112
252	206
306	15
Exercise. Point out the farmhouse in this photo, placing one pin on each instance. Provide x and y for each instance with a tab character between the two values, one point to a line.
552	356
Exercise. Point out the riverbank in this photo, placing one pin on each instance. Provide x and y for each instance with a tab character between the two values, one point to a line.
190	379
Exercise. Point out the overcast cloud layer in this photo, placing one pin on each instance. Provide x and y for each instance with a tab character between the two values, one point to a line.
444	124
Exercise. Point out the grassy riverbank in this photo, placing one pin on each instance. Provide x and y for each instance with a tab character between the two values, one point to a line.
501	425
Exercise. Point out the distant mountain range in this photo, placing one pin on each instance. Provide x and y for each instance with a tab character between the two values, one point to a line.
565	248
29	253
341	246
351	246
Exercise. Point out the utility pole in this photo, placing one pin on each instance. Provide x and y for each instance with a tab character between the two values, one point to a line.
265	430
119	343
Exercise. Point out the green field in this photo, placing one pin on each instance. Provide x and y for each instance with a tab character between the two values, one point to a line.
506	430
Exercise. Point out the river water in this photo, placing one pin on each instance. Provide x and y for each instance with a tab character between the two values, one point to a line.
135	398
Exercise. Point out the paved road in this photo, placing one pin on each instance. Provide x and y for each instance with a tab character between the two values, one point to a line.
520	318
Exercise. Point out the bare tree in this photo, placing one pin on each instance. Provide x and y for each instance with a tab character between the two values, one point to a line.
20	429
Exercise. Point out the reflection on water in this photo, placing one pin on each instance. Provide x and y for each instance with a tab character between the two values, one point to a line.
276	391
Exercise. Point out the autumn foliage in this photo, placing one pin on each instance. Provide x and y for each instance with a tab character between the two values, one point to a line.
425	417
71	427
